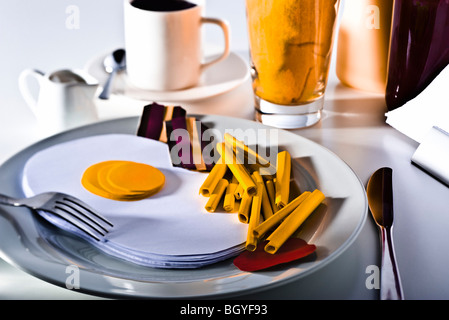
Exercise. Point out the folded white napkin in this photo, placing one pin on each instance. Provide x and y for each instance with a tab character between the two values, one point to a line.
425	119
433	154
168	230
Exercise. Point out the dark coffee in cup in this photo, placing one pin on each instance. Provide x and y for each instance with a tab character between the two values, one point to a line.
162	5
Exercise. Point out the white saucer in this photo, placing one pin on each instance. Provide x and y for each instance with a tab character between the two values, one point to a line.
219	78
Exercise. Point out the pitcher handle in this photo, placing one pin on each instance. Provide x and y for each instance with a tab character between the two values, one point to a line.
25	89
226	31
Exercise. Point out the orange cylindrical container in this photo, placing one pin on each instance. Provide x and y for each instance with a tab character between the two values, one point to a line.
363	44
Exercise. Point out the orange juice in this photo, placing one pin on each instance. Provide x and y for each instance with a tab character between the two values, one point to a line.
291	46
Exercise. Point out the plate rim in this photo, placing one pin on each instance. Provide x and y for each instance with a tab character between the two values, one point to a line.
87	131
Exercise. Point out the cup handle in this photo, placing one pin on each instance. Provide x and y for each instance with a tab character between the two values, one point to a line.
226	31
25	89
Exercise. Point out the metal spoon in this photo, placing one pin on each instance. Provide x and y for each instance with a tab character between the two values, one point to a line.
380	199
113	63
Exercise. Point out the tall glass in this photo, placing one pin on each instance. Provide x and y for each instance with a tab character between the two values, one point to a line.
291	45
419	48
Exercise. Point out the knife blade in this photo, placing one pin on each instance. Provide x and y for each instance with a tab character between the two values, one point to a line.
380	200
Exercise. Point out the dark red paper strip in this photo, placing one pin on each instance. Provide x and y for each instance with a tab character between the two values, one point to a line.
292	249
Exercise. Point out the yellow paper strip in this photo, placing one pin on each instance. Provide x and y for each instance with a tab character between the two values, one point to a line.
195	140
252	156
266	205
283	171
269	185
237	169
214	176
239	192
254	219
293	221
244	208
277	218
216	195
229	198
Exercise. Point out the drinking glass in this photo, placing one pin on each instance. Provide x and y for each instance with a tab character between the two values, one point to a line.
290	46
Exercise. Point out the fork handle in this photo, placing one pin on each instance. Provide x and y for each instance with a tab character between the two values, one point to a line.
9	201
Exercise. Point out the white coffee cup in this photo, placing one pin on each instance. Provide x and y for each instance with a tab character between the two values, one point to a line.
65	98
164	48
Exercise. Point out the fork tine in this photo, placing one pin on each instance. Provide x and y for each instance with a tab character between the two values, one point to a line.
80	216
80	224
85	220
85	210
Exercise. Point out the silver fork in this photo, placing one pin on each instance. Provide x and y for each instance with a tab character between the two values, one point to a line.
66	207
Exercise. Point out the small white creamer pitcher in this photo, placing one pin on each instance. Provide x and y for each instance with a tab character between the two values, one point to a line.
65	98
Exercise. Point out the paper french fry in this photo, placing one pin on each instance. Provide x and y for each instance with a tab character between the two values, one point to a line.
277	218
293	221
269	185
266	205
229	198
283	172
237	169
252	157
254	220
214	176
239	192
216	195
244	208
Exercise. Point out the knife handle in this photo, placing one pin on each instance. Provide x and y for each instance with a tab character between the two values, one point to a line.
390	282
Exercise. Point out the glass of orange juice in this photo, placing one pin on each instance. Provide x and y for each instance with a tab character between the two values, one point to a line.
291	46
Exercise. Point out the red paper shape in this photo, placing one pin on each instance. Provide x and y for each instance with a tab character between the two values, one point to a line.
292	249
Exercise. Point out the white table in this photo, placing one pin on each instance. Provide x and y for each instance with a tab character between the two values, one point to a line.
353	127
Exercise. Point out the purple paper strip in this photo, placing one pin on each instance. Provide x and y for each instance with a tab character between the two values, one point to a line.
152	121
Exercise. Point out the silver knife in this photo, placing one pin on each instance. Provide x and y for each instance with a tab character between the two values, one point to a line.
380	201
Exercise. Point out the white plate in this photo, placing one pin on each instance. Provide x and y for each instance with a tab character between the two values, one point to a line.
219	78
45	252
154	232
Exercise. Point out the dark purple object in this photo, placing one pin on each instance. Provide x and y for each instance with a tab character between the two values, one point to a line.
419	48
152	120
159	122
